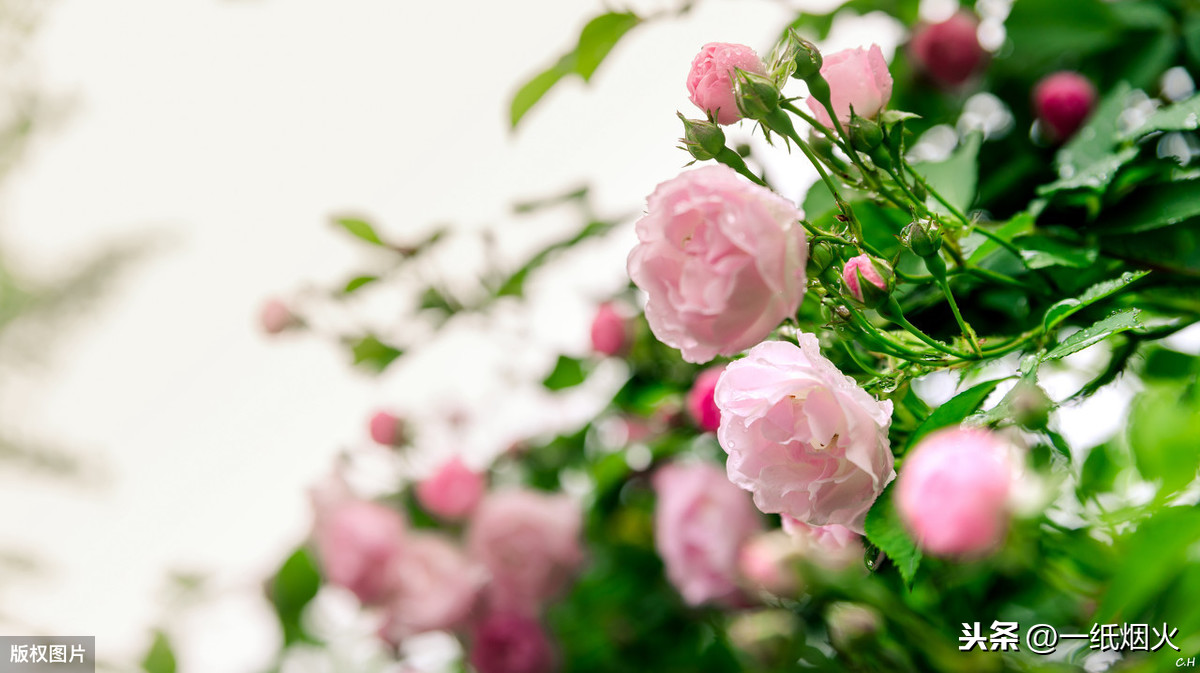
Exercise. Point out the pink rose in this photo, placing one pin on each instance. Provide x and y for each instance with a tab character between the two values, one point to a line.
954	490
832	546
949	52
529	542
857	77
511	643
768	562
275	316
387	429
700	404
710	82
802	436
452	491
357	542
610	331
721	260
1062	102
700	523
861	265
433	586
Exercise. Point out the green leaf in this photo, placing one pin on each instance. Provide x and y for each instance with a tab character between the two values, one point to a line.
160	658
533	90
359	228
954	410
885	530
293	587
1150	559
1182	116
598	38
1099	471
567	372
1040	252
1155	206
357	282
1093	143
1041	32
1096	176
955	178
372	353
1065	308
1125	319
1163	427
1019	224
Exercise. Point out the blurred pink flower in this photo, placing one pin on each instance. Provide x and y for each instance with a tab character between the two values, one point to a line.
710	81
433	586
275	316
857	77
802	436
387	429
949	51
530	544
954	489
1063	102
832	546
700	404
452	491
357	542
610	331
700	524
768	562
721	260
511	643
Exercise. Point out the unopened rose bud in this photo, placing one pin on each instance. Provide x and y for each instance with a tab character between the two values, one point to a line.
387	429
452	491
954	492
769	562
610	331
765	635
868	280
865	135
700	404
923	237
821	256
948	52
703	139
1062	102
756	95
807	56
275	316
850	623
710	81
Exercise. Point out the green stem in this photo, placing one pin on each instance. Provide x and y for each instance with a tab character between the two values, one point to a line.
891	310
734	160
937	268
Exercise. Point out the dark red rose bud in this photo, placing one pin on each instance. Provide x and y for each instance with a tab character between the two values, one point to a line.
1063	102
948	52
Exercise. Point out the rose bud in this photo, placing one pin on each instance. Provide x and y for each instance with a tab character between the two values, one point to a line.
721	261
356	543
923	237
856	77
700	404
710	82
700	523
954	490
804	54
610	331
802	436
948	52
702	139
865	135
868	280
452	491
756	95
850	623
1062	102
276	317
387	429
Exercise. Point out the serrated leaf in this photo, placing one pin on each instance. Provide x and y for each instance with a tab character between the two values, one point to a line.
1154	207
160	658
954	410
1040	252
1096	176
1093	143
567	372
956	177
1182	116
358	282
598	38
1125	319
359	228
374	354
1063	309
885	530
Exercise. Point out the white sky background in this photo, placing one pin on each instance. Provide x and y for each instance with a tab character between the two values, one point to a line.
232	129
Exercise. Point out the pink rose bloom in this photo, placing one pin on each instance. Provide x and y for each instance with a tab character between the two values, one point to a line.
610	331
857	77
1063	102
802	436
275	316
710	82
700	404
511	643
357	542
954	490
861	265
721	260
433	586
949	52
387	429
452	491
700	524
529	542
